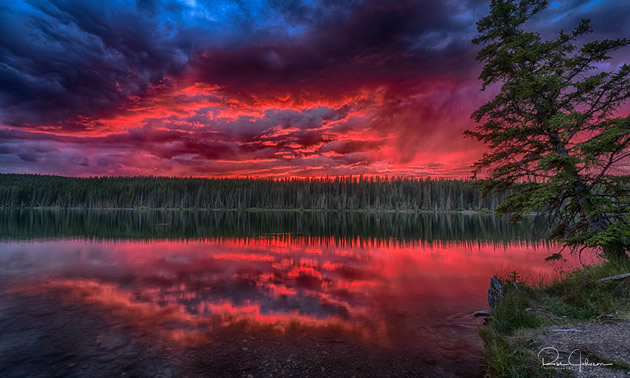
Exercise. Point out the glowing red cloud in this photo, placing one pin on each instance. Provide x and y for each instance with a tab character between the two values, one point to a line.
199	130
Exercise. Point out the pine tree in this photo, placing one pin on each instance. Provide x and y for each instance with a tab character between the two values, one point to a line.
555	142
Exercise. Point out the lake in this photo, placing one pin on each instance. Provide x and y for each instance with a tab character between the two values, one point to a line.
189	293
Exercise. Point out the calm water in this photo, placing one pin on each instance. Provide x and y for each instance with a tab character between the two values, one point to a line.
319	294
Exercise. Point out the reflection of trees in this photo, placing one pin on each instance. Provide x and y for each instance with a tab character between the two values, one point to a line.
336	226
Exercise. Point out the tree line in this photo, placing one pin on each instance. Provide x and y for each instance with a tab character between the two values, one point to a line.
339	193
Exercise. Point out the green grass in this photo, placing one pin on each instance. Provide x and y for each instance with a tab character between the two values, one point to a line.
577	296
580	296
512	314
508	357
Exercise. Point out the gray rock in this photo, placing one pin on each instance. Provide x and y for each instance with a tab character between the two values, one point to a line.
485	313
495	292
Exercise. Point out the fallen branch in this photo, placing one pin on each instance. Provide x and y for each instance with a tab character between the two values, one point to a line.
614	278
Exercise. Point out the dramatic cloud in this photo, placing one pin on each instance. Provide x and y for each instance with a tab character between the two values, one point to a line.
231	88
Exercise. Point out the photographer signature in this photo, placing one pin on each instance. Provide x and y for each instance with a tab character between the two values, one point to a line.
574	359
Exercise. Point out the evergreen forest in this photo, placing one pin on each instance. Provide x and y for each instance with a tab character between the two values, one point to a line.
339	193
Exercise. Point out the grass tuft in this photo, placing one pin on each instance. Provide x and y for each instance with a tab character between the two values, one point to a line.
512	313
508	357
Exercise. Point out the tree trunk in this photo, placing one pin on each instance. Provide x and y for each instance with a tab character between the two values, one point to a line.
614	250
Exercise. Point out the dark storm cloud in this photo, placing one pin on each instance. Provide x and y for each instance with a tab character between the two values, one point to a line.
31	157
346	46
7	150
160	143
63	59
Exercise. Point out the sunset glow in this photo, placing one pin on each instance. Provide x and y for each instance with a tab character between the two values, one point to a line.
259	89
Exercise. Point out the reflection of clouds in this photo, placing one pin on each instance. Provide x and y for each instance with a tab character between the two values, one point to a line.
168	316
376	291
119	302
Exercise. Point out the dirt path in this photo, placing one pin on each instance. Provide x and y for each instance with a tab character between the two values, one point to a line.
590	349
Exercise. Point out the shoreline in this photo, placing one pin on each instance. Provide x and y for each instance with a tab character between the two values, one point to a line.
576	325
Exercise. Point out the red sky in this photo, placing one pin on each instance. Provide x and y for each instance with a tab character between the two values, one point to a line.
264	88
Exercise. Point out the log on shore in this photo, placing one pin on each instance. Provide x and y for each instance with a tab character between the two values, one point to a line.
614	278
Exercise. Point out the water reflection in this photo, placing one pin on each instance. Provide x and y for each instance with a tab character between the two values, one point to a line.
384	291
333	226
372	290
